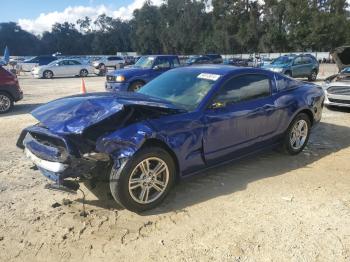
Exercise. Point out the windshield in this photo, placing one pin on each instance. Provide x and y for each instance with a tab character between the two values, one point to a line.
145	62
186	89
282	60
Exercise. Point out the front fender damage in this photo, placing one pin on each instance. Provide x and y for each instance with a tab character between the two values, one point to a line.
94	152
123	144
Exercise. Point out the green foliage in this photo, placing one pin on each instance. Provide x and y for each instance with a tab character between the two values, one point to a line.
188	27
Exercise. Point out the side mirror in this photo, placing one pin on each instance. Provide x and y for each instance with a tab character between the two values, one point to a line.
156	67
216	105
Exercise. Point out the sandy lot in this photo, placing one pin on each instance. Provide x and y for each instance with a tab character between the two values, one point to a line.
271	207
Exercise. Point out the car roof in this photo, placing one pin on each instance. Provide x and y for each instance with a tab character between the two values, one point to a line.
218	69
162	55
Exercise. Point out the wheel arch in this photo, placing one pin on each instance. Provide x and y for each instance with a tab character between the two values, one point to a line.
308	112
137	80
8	93
159	143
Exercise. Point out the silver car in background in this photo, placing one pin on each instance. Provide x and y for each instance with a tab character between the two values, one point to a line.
63	67
108	61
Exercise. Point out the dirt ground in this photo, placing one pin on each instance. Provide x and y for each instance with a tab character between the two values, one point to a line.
271	207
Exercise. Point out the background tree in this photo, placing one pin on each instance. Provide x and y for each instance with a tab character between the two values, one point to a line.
189	27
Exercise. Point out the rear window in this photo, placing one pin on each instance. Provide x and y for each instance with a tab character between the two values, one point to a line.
285	83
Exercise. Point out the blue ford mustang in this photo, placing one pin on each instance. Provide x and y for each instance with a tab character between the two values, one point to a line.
182	122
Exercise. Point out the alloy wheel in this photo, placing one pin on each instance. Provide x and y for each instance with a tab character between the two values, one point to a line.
298	134
84	73
148	180
48	75
5	103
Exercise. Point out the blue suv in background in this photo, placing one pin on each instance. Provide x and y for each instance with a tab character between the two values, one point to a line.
145	69
295	66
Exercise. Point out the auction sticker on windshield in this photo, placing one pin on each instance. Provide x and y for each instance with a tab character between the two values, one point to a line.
207	76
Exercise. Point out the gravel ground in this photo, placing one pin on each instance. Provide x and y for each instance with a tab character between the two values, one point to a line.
271	207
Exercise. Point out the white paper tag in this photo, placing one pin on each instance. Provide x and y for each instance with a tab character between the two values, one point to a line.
208	76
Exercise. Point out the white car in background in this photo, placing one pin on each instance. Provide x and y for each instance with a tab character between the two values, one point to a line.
109	61
63	67
28	64
337	89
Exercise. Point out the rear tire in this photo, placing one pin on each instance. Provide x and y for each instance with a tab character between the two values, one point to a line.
313	76
48	74
6	102
83	73
144	180
297	134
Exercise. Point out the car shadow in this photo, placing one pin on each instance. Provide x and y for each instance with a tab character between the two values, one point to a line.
19	109
325	139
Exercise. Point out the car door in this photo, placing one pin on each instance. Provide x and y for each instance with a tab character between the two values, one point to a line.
60	68
308	65
298	67
74	67
240	117
160	65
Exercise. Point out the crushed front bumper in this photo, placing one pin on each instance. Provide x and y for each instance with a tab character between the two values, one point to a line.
56	158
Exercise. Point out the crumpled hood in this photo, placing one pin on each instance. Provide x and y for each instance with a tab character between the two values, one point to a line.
72	115
130	72
341	56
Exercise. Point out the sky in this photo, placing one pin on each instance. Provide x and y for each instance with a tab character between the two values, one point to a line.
37	16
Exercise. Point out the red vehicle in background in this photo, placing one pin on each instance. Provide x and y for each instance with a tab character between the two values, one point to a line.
10	91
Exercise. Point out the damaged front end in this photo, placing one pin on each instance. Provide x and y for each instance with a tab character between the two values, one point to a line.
77	137
58	158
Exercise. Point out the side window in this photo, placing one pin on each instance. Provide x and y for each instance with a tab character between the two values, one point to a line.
284	83
175	62
243	88
73	62
298	61
111	58
307	60
162	62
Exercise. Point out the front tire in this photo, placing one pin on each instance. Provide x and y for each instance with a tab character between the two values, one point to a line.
6	102
298	134
48	74
135	86
144	180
